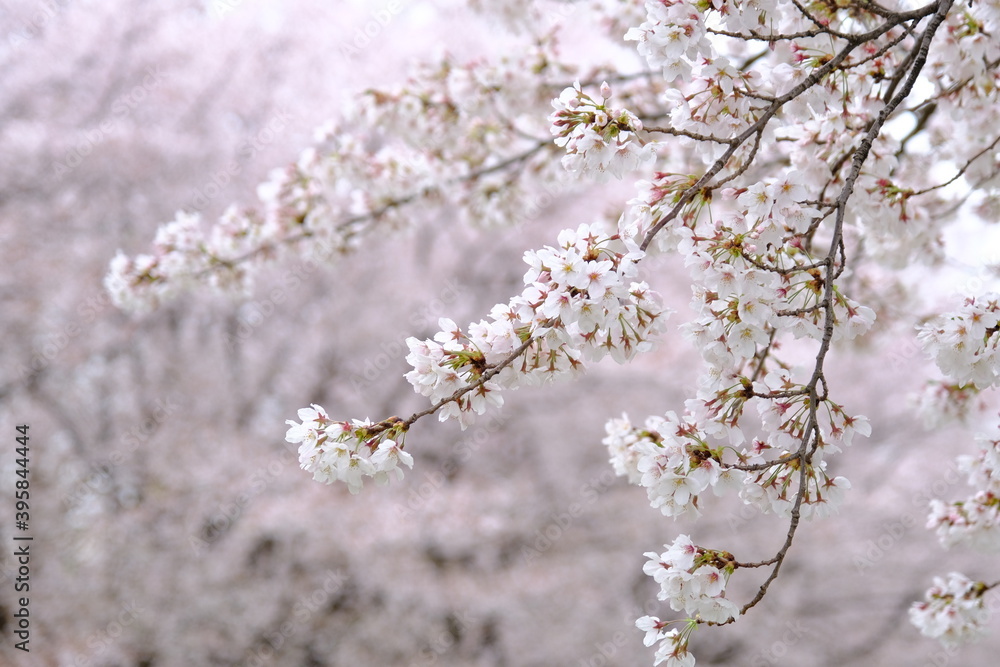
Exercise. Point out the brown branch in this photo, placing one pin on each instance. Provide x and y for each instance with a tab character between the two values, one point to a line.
819	24
779	557
754	467
754	35
763	355
689	135
961	171
799	311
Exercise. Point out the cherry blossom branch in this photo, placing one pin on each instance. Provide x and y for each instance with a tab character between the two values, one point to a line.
753	467
479	382
811	434
756	36
688	134
403	425
878	9
219	263
779	558
853	41
960	172
955	87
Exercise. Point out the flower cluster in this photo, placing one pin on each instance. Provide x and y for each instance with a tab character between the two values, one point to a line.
672	37
693	579
964	343
974	521
677	458
943	402
182	252
349	451
953	610
755	281
599	139
775	489
579	303
671	458
443	137
753	272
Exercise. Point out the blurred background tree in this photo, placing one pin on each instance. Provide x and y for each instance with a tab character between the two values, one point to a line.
173	526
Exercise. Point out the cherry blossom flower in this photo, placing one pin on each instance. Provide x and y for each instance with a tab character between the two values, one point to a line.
348	451
598	139
975	521
953	610
964	343
693	579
